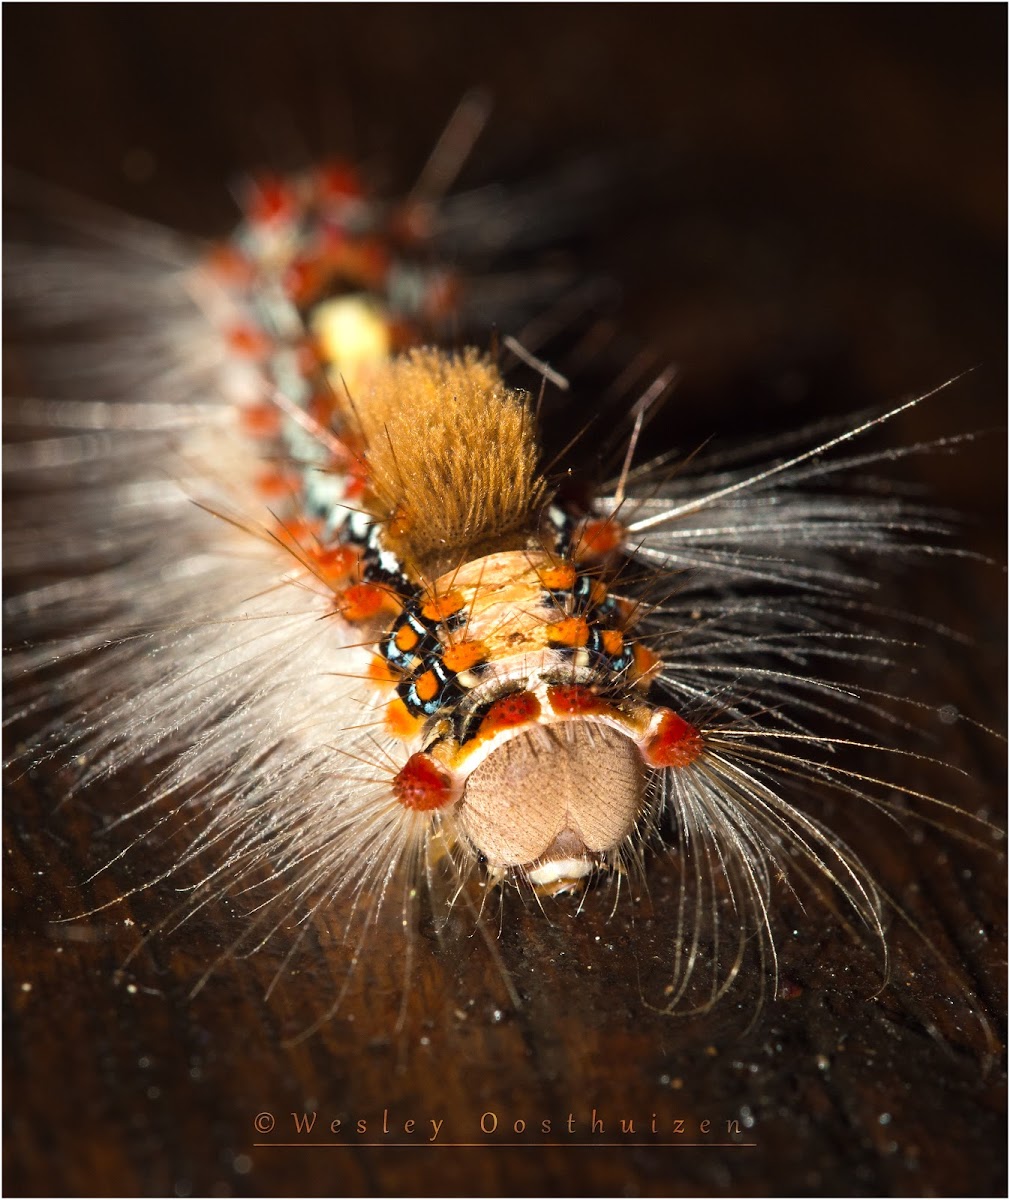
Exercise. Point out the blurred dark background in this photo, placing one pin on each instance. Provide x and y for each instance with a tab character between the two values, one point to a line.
816	222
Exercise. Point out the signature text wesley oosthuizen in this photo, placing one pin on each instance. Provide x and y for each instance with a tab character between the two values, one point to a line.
593	1127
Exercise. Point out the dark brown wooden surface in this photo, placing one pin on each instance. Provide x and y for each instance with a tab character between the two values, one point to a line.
826	230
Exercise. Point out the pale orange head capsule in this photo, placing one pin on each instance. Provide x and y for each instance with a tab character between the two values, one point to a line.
553	799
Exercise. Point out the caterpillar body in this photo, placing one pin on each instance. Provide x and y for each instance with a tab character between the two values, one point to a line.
314	572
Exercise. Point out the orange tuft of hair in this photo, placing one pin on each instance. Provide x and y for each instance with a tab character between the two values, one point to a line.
452	458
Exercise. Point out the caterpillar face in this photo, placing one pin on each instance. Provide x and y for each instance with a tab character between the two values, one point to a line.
554	800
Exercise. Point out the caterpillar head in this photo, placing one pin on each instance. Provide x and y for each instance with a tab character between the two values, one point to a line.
552	800
555	796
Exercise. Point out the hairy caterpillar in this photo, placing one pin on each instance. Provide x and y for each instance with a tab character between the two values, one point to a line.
384	645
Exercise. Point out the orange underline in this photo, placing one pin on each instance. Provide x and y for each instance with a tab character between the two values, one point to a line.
512	1145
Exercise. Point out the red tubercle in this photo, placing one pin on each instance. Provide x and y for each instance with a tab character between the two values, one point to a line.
335	564
303	278
426	686
441	608
356	487
370	261
673	741
422	785
248	341
400	722
277	483
407	639
270	201
517	708
560	578
230	266
576	701
572	632
598	538
363	601
364	261
646	663
260	420
465	655
613	641
382	672
338	181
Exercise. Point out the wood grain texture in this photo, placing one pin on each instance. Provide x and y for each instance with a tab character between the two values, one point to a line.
826	229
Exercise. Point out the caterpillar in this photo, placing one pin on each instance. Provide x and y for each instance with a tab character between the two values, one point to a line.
300	554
